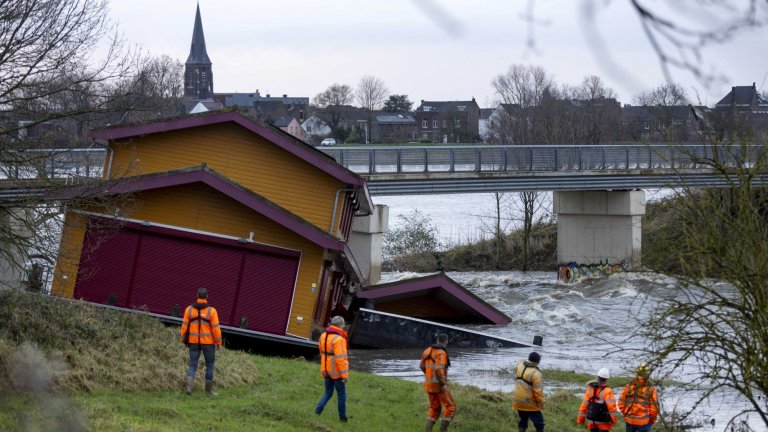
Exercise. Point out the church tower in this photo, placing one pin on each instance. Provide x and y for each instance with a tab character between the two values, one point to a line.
198	77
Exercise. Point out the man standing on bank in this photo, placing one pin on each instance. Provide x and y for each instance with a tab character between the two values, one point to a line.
598	407
639	402
334	366
528	395
201	332
435	364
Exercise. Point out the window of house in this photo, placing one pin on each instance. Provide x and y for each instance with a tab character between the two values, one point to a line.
458	123
424	136
461	107
434	124
646	125
427	108
424	124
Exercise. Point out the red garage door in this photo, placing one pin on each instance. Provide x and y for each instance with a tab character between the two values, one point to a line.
161	270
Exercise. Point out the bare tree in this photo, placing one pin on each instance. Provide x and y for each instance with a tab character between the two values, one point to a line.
330	105
522	85
54	85
371	94
592	87
529	204
667	94
714	323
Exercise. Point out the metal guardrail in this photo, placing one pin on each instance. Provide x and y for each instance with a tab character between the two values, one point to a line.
51	163
374	160
401	170
393	170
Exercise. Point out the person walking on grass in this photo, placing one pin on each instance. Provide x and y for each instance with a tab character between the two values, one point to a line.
598	407
435	364
201	332
639	402
334	366
528	395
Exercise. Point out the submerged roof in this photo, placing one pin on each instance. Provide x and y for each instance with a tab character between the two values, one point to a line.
440	286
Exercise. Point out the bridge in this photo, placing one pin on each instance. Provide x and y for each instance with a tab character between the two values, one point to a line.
598	190
438	169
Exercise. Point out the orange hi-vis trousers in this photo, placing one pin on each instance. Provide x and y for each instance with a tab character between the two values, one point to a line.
439	400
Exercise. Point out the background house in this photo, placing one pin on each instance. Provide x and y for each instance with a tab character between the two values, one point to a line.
448	121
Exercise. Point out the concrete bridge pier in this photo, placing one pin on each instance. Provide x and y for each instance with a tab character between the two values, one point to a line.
599	226
12	254
365	241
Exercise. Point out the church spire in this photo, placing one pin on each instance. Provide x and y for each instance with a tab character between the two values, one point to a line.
197	53
198	76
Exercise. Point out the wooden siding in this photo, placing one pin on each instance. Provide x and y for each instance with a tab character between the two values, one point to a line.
243	157
199	207
65	274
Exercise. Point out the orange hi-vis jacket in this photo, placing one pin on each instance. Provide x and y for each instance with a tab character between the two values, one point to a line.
601	394
639	402
434	364
334	363
528	394
201	325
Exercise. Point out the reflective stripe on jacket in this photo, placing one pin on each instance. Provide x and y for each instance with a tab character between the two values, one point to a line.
201	325
334	363
602	394
639	403
434	363
528	394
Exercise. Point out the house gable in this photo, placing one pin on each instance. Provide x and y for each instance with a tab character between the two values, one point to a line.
264	160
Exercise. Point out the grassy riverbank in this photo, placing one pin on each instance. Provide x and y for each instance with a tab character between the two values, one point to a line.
70	366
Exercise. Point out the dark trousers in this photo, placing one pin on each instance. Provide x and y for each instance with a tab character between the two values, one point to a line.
341	395
536	417
209	353
643	428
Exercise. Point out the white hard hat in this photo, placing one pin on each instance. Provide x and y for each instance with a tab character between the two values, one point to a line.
604	373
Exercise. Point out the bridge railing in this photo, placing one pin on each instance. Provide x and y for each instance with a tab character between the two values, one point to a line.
51	163
502	158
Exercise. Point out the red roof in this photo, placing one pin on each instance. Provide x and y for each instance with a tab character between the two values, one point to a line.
438	285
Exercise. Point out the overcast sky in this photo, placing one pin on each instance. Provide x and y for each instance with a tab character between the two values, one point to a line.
427	49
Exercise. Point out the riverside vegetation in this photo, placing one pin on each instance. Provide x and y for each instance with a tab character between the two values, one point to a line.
661	230
70	366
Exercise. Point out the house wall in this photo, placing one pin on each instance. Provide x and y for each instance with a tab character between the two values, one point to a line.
199	207
240	155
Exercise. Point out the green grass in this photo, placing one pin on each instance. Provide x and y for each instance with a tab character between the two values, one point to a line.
68	366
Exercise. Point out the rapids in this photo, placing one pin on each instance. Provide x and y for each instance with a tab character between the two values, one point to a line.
586	326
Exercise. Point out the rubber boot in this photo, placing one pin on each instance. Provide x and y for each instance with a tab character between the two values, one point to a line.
209	388
190	384
429	425
444	425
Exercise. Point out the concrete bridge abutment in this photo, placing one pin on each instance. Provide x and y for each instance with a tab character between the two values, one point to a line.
599	226
366	239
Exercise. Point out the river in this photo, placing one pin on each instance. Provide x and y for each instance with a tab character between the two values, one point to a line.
586	325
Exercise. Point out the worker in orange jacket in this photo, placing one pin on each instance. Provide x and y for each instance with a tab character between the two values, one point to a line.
201	332
528	395
598	408
334	366
435	363
639	402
